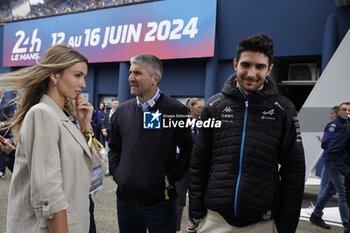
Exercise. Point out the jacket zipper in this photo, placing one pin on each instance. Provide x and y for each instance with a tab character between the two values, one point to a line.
241	152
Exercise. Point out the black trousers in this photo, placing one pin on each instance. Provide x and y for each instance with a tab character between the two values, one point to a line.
92	218
347	190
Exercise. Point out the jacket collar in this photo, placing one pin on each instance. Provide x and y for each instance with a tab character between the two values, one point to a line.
339	121
270	87
72	129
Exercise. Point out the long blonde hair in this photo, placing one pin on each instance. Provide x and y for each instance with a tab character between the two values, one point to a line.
33	82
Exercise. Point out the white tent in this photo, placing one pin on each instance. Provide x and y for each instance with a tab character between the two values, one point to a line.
331	89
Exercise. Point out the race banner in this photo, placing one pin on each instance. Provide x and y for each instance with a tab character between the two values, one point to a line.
167	29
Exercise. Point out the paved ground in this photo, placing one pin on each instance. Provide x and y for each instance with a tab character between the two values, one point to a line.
105	212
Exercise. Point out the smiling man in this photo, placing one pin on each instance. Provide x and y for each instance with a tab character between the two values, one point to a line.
142	156
248	175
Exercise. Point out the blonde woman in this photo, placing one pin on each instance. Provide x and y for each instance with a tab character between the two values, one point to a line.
53	167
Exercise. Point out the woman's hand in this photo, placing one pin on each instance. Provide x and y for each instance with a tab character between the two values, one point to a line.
6	146
58	223
84	112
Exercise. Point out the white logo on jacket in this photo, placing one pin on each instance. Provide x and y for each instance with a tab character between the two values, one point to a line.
211	104
270	112
278	105
332	127
267	216
227	109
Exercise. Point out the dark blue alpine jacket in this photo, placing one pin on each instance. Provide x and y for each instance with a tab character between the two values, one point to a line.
339	149
252	168
328	135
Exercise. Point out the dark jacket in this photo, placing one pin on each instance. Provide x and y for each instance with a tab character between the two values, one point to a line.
98	117
235	169
339	149
11	160
139	159
106	124
7	110
329	133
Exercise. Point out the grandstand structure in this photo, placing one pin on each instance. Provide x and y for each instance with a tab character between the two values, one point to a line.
13	10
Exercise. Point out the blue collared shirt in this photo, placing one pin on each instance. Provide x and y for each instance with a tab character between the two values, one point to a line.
150	103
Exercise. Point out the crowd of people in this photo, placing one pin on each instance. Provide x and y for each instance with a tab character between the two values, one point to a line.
5	11
53	7
245	174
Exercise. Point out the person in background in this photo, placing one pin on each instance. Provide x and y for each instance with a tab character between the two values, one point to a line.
195	106
98	118
248	175
187	105
9	149
107	107
106	128
324	177
332	115
49	189
335	182
106	124
7	110
334	112
143	160
339	153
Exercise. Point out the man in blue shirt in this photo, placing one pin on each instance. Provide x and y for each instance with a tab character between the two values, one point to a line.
142	156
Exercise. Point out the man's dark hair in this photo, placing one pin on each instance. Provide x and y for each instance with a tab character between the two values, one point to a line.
336	109
260	43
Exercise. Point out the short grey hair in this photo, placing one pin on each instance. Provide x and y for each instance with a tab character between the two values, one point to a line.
153	64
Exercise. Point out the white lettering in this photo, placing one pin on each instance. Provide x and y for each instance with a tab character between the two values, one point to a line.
125	30
75	41
35	42
105	38
163	30
58	38
17	48
181	124
150	35
175	35
115	38
14	57
134	33
164	123
92	37
199	124
190	123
